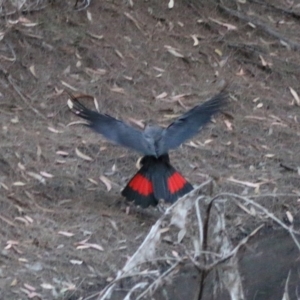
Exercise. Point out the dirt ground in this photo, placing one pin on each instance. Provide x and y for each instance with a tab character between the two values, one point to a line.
65	230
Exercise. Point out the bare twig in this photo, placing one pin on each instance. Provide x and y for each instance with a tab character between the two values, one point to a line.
33	7
262	26
151	287
276	8
291	231
286	288
17	90
200	223
147	250
135	22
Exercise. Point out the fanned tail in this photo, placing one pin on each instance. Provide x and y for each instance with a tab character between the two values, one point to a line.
156	180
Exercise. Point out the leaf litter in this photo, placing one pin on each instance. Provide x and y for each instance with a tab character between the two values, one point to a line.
244	72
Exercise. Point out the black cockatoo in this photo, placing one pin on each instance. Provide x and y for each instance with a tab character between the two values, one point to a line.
156	179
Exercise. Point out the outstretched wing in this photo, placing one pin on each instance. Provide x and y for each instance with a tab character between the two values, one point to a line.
190	123
113	129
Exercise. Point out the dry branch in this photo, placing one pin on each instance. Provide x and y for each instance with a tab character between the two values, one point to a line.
276	8
262	26
11	81
215	252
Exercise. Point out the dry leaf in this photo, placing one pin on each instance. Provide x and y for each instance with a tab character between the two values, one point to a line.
106	181
138	163
38	152
263	62
195	39
180	96
192	144
240	72
159	69
223	62
82	155
173	51
219	52
24	21
70	104
227	25
60	161
164	230
77	123
208	142
119	90
81	247
66	233
32	70
69	86
76	262
22	220
18	183
290	217
89	245
295	95
139	123
171	116
96	104
20	166
171	4
89	16
93	181
62	153
251	24
175	254
14	282
95	73
4	186
37	177
95	36
113	224
181	235
22	259
30	220
96	246
1	35
161	96
47	286
45	174
54	130
67	70
30	24
29	287
228	125
15	120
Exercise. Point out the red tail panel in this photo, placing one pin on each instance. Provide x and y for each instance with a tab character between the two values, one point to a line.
176	182
141	185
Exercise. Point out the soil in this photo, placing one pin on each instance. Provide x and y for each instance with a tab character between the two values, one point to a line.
140	62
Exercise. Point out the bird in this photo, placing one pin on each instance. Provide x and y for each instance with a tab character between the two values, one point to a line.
156	179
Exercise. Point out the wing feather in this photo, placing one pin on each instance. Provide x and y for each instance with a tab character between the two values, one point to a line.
113	129
189	124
